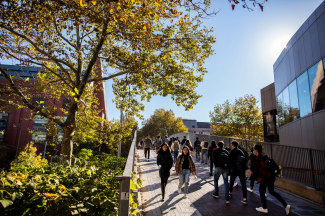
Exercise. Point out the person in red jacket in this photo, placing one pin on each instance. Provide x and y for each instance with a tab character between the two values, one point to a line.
266	180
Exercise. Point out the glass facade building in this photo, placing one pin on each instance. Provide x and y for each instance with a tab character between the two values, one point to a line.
299	86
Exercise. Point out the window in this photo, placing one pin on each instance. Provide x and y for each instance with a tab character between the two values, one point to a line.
39	101
3	125
279	105
294	103
39	136
66	102
39	121
317	86
303	95
286	105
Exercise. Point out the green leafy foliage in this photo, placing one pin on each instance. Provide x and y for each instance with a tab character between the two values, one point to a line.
88	187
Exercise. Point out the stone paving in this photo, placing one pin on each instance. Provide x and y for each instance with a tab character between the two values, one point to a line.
200	200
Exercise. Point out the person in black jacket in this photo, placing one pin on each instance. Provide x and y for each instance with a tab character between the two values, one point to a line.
220	159
254	170
210	152
165	163
237	169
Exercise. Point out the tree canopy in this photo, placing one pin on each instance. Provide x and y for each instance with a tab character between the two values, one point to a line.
242	118
159	123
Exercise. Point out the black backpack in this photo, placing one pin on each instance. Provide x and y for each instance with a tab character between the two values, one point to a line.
223	159
205	145
241	160
271	166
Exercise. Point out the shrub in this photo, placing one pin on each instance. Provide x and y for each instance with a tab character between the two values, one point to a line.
87	187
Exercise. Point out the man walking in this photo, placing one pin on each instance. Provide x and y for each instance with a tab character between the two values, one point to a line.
237	163
166	140
204	147
266	180
183	141
220	160
197	147
147	145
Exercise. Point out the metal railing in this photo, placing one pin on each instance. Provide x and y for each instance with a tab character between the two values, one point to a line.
304	165
125	191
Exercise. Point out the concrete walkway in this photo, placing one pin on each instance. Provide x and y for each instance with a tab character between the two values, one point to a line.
200	200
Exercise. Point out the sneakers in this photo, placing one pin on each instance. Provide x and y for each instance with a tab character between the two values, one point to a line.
202	161
235	184
230	195
148	160
260	209
210	174
288	209
244	202
185	195
250	190
215	195
163	199
227	201
179	190
265	195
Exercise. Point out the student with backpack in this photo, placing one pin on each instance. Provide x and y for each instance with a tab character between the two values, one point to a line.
147	145
268	170
220	160
238	158
158	143
210	152
204	147
197	147
175	149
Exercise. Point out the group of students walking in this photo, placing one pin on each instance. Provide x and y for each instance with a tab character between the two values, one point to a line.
227	162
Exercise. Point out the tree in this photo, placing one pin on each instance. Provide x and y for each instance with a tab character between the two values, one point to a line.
161	119
242	118
154	48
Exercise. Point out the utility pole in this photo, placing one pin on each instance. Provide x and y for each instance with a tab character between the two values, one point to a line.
120	145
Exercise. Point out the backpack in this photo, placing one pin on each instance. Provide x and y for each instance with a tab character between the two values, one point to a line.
176	146
158	143
241	160
271	166
206	145
223	159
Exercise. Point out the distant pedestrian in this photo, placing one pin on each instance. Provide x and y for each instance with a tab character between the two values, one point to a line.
254	170
166	140
183	141
142	143
266	180
220	160
139	145
175	149
210	152
197	147
147	145
171	141
165	163
204	147
189	144
238	165
184	167
158	143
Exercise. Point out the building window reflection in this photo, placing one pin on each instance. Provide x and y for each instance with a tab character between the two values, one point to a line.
279	105
286	105
317	86
294	103
303	95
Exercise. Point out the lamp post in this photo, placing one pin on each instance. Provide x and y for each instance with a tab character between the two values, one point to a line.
18	141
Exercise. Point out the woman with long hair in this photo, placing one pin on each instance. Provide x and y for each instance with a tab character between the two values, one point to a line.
184	167
165	163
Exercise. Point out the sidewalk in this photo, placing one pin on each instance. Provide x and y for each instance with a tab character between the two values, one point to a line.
200	200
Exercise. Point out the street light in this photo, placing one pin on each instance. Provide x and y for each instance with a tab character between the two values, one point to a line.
165	130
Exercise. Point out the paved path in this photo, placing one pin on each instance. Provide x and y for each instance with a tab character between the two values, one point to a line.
200	200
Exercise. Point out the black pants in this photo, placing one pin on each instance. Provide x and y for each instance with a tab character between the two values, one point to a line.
270	186
241	175
163	184
198	151
211	166
145	152
252	183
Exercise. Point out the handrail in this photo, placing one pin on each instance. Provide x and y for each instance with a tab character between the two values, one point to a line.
125	191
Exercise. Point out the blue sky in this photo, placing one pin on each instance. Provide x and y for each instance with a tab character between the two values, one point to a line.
247	45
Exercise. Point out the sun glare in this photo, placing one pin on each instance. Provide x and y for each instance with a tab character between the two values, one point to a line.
277	44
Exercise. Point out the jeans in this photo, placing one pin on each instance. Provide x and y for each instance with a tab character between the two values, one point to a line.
224	172
175	156
145	152
205	152
241	175
270	186
184	178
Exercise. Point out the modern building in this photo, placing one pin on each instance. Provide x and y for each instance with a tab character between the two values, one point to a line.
295	102
194	126
15	131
